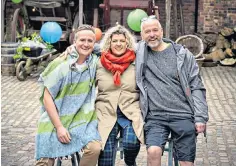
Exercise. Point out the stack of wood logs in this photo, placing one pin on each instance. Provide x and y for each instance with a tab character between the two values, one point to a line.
221	47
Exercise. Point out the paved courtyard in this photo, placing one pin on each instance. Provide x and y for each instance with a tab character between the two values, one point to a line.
20	111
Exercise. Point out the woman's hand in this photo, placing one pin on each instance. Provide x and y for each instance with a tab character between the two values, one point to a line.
63	135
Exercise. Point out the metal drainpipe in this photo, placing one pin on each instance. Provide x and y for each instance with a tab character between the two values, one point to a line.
196	16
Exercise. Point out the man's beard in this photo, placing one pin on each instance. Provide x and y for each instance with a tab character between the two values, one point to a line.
155	44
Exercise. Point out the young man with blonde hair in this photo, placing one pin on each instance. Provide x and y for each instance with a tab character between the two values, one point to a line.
68	122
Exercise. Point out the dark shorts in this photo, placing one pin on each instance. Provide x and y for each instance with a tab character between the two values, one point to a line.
157	130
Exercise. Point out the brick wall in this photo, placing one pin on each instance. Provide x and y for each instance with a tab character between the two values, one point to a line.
216	14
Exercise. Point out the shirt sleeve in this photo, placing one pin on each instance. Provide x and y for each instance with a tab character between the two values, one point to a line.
198	91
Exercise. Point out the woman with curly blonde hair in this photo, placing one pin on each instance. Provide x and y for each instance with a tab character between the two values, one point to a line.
117	102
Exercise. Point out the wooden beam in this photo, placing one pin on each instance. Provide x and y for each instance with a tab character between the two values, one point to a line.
3	2
131	3
95	17
41	14
81	12
106	13
175	19
121	16
168	12
181	17
42	4
123	7
155	8
95	13
40	18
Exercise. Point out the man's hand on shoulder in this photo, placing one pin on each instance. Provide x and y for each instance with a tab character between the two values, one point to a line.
63	135
68	51
200	127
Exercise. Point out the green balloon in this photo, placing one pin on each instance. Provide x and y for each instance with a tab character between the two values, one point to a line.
134	19
16	1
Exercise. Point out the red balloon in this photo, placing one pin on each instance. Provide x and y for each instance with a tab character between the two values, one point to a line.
98	34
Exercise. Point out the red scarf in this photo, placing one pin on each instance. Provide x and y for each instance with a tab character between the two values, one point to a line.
117	65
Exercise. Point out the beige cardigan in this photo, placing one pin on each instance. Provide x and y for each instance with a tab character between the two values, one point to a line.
110	96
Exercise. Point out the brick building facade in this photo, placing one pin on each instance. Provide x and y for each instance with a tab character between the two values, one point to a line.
215	14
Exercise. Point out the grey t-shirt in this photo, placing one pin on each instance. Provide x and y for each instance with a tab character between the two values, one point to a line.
165	94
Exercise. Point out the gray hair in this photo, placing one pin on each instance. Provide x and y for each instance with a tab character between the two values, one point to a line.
150	20
83	27
118	29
